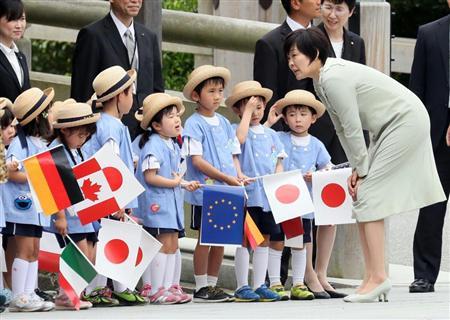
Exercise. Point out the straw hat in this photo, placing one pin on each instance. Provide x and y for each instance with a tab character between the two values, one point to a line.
155	102
203	73
300	97
246	89
6	103
59	104
139	114
30	103
110	82
98	104
74	114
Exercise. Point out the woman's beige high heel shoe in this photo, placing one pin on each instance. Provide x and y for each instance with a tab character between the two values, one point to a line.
381	292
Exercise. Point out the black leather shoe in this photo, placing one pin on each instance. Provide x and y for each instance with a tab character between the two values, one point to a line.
319	294
421	285
335	295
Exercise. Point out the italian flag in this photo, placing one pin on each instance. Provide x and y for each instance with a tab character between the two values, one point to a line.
75	273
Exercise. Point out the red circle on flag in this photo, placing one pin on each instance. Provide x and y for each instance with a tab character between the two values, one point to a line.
116	251
287	193
139	256
114	178
333	195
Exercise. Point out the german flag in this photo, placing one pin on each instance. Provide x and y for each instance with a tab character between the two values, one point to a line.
252	233
53	181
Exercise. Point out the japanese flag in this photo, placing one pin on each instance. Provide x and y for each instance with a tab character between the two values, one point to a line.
117	251
288	195
331	198
147	250
107	185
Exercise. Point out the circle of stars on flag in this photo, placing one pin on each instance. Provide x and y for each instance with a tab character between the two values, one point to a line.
225	226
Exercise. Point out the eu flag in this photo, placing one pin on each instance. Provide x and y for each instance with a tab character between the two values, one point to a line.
222	215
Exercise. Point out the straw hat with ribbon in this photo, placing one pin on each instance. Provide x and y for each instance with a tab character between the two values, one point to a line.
112	81
74	114
203	73
30	103
156	102
300	97
139	114
246	89
5	103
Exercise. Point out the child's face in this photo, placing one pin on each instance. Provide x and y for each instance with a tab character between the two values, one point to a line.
299	119
75	139
170	125
258	111
8	134
210	97
125	101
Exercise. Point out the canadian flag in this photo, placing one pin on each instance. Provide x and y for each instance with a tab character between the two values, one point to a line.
148	248
117	251
49	252
288	195
107	185
331	198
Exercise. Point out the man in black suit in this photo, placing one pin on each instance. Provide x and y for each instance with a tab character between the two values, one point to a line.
430	82
106	43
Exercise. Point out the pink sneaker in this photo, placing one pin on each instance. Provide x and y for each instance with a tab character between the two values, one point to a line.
164	296
177	290
62	302
146	290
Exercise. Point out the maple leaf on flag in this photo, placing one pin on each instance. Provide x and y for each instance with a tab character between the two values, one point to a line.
90	190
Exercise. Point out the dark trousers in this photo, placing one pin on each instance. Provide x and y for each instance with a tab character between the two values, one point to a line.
427	249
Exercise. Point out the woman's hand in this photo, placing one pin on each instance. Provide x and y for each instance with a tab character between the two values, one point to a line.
61	226
272	117
353	183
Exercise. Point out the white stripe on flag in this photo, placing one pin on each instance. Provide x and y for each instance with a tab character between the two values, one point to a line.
74	279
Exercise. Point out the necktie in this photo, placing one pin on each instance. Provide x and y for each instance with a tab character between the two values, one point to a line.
131	46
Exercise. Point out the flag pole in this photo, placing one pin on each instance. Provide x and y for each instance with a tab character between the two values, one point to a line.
75	245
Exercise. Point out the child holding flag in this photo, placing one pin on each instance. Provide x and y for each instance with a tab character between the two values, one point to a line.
23	221
211	148
113	88
161	205
261	153
74	124
300	109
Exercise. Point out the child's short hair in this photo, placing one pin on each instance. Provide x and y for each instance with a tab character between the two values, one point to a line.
213	80
6	119
89	128
296	107
156	118
39	126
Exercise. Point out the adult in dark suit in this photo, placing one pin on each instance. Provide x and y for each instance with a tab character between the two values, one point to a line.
102	44
14	75
430	82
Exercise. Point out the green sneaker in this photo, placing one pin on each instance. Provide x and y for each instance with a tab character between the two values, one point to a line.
101	297
301	292
279	289
129	298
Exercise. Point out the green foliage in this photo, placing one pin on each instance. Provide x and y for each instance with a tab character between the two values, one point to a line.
181	5
52	56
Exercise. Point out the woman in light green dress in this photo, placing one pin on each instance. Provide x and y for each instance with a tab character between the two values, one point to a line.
397	173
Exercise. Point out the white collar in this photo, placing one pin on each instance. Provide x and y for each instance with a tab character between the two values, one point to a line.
294	25
120	26
8	51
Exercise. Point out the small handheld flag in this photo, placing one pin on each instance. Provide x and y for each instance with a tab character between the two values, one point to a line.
252	233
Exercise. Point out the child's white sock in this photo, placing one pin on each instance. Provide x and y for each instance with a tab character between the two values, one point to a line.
158	265
177	271
211	280
201	281
119	287
298	266
147	275
169	270
260	262
19	272
241	266
30	282
98	282
1	280
274	266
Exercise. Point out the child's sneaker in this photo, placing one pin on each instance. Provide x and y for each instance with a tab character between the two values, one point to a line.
44	295
163	296
301	292
267	295
100	297
129	298
62	302
178	290
25	303
279	289
245	294
230	297
210	294
146	291
2	303
7	293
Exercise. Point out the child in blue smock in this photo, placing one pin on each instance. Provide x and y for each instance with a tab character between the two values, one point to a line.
211	149
23	221
300	109
261	154
74	124
161	205
113	88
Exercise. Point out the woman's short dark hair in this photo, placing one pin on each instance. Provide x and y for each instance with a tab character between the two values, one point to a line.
11	9
309	42
350	3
